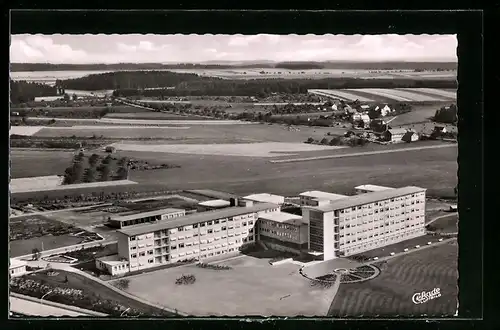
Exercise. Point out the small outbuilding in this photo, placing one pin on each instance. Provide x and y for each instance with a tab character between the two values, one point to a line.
410	136
17	267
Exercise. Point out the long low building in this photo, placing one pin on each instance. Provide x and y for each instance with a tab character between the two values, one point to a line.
283	232
123	221
317	198
366	188
366	221
196	236
266	198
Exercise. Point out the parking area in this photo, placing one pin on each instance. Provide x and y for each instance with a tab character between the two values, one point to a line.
251	287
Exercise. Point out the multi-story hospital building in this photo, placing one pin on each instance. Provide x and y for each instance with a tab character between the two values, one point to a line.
366	221
196	236
331	225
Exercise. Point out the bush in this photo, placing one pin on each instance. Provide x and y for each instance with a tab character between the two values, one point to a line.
185	280
310	140
122	284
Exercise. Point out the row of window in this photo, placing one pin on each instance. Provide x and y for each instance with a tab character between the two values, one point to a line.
273	224
371	235
385	224
280	234
371	245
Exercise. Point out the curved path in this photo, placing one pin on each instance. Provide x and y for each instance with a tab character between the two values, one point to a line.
441	217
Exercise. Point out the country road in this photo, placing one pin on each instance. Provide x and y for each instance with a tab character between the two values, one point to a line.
357	154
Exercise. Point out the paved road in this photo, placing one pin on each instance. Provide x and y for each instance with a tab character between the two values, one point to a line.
32	308
366	153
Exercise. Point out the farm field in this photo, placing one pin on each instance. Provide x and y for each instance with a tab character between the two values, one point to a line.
24	130
32	163
152	115
208	133
263	149
388	95
35	183
390	293
267	290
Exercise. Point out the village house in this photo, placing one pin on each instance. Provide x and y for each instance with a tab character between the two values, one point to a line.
394	135
440	129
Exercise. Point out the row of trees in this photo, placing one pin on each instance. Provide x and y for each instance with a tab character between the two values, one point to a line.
353	141
23	91
98	169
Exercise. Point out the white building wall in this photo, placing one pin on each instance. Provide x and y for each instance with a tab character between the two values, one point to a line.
328	236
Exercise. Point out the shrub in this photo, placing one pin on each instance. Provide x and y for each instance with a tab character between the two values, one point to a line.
185	280
122	284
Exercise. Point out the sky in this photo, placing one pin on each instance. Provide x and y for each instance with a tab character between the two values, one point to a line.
178	48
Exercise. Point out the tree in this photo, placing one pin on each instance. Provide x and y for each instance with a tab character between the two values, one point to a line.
122	173
75	97
324	141
93	160
66	97
66	280
90	175
35	254
335	141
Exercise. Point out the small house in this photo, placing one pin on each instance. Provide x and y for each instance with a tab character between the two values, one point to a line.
365	107
394	135
17	267
384	110
440	129
410	136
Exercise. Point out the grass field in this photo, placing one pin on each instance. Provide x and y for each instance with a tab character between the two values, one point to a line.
435	169
31	163
390	294
251	287
448	224
152	115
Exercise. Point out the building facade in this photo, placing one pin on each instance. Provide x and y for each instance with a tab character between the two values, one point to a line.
366	188
197	236
366	221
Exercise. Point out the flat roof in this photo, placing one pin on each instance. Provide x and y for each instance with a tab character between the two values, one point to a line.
283	217
215	203
195	218
16	263
322	195
145	214
369	197
113	259
372	187
266	198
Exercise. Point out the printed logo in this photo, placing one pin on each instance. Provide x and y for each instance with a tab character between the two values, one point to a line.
423	297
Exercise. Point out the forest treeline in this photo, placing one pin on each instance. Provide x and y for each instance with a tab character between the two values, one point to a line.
17	67
23	91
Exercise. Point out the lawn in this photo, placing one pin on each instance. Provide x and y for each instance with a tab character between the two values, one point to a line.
24	247
251	287
94	291
390	294
399	247
31	163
